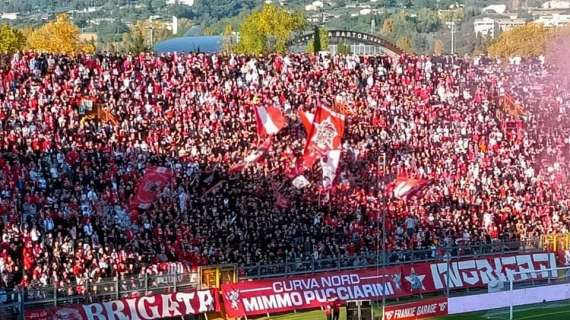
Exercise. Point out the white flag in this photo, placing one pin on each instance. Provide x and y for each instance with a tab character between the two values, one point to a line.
300	182
329	164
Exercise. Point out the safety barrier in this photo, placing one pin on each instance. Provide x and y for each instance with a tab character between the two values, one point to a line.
392	258
16	301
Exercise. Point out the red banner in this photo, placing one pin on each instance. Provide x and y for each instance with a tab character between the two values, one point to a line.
312	291
417	310
151	185
148	308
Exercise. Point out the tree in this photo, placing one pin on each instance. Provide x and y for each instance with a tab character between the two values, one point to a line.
420	43
389	26
342	49
524	41
324	35
183	26
218	9
427	21
405	43
316	40
111	32
11	40
438	47
321	37
228	41
452	15
144	34
134	41
268	30
58	36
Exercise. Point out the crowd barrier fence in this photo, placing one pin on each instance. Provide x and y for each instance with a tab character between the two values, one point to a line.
15	301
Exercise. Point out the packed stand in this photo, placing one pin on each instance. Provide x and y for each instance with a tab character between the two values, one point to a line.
66	183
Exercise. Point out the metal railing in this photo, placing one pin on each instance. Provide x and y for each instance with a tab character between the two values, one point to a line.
131	286
115	288
392	258
18	300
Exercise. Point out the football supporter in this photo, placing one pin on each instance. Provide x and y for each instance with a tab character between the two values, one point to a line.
78	133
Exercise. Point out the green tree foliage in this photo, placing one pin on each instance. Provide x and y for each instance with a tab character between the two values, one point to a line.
218	27
316	40
420	43
180	10
183	26
228	42
11	40
112	32
457	14
144	34
525	41
357	23
405	43
420	27
343	49
321	38
268	30
427	21
219	9
135	40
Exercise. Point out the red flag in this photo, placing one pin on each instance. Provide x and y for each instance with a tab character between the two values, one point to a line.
151	185
281	201
405	188
325	134
307	120
214	188
269	121
253	157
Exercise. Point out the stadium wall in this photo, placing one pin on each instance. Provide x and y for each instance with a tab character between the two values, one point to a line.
519	297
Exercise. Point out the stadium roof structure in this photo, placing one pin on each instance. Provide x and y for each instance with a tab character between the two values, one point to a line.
209	44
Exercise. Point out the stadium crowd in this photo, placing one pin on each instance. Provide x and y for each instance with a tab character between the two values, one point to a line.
66	181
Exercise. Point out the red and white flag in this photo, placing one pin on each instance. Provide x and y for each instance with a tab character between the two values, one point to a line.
307	120
326	134
255	156
155	179
329	164
269	121
405	188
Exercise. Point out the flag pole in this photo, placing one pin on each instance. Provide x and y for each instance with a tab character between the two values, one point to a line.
378	227
384	240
